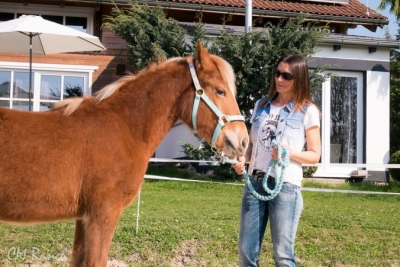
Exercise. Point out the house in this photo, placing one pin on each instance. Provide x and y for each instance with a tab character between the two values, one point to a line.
354	103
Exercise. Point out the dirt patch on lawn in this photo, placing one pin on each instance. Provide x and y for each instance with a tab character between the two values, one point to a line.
60	262
185	255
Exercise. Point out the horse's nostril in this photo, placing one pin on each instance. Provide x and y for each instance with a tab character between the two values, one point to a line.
245	143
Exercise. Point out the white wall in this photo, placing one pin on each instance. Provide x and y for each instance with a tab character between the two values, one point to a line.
171	145
377	106
353	52
377	118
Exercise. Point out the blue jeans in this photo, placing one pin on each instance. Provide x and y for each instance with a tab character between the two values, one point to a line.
283	212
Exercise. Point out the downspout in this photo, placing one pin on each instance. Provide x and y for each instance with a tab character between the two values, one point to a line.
249	16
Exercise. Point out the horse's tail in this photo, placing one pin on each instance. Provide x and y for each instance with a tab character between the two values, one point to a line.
69	105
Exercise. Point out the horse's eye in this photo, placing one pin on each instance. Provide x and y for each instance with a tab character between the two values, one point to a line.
220	91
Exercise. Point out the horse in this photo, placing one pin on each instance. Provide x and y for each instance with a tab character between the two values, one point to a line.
85	159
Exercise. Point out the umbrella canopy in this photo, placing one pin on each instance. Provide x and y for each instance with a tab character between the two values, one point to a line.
35	35
47	37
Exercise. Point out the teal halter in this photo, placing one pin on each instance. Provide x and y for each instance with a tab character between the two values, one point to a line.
200	94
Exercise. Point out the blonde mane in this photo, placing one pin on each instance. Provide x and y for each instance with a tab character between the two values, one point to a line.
69	105
72	104
110	89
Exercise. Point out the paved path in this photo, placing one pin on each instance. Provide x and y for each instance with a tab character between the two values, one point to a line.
149	176
346	191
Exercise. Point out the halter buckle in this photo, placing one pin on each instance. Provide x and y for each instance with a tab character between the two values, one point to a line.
224	120
199	91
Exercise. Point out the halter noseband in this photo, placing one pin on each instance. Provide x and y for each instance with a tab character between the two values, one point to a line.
200	94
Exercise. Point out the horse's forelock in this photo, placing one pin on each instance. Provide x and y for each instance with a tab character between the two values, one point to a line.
227	72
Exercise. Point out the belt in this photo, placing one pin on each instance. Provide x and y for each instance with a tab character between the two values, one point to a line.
259	175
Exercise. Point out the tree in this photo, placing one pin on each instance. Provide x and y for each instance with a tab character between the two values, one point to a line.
395	99
150	36
253	56
394	6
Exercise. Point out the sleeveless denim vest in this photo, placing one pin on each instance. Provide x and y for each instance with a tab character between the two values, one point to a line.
290	130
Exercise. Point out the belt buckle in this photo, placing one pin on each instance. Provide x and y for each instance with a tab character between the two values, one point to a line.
260	175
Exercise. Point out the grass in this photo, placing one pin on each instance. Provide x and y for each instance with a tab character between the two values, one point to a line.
196	224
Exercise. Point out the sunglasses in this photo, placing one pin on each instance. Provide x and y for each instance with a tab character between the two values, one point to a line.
285	75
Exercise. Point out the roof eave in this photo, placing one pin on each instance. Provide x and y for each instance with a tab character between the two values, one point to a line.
256	12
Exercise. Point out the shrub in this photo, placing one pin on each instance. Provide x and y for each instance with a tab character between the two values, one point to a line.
308	171
395	159
221	172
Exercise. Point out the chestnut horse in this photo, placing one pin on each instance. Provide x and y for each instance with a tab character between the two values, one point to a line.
86	158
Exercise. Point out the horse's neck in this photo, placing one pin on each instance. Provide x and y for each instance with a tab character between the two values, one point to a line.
151	104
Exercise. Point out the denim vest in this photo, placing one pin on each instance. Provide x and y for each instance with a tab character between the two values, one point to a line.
290	130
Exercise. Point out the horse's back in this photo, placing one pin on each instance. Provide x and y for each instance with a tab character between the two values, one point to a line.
49	162
31	181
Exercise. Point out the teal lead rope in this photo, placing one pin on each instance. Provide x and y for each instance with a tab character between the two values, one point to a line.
282	162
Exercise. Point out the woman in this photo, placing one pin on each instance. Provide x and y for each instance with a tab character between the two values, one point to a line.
288	111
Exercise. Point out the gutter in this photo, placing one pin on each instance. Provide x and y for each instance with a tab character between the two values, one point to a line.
359	40
241	11
213	30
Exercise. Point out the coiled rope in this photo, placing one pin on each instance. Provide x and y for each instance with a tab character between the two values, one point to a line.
282	162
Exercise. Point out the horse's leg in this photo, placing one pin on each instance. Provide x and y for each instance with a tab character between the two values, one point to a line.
78	250
99	231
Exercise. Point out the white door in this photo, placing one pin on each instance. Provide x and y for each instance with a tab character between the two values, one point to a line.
341	103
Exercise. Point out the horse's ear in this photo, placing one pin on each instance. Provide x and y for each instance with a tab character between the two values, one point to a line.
202	55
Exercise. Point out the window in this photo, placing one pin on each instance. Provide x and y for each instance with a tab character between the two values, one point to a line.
6	16
54	88
14	90
78	18
50	83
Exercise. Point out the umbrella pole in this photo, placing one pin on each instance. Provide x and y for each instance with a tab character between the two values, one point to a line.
30	71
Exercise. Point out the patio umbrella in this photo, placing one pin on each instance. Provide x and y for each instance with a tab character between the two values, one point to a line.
36	35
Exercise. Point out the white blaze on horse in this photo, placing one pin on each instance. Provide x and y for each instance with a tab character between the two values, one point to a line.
86	158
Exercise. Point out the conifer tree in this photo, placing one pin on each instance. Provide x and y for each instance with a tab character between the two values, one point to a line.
149	35
253	55
395	99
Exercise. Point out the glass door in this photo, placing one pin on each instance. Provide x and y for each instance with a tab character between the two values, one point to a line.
341	103
345	115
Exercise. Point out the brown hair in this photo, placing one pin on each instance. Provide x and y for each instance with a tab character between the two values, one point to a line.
301	82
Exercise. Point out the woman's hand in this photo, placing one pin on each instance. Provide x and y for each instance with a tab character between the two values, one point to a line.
274	154
239	167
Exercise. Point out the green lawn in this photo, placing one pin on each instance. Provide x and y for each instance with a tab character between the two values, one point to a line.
196	224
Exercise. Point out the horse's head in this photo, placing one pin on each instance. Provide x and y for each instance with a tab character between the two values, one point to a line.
216	115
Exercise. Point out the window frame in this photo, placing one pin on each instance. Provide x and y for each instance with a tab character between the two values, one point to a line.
55	10
39	69
330	171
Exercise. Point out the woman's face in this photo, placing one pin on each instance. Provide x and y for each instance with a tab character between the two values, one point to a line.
284	86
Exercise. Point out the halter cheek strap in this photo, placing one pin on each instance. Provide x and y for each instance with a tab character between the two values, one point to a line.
200	94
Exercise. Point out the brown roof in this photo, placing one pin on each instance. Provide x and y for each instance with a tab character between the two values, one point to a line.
354	9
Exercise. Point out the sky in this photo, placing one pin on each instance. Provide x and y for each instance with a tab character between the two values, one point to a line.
380	32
